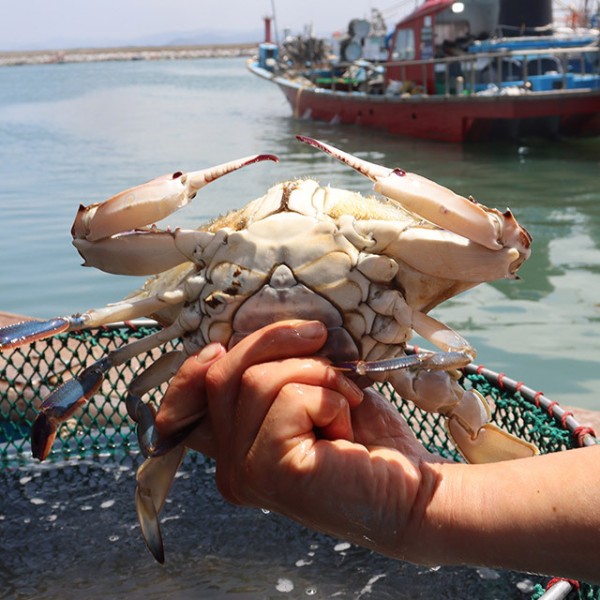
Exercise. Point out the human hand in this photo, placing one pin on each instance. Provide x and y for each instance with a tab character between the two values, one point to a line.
295	436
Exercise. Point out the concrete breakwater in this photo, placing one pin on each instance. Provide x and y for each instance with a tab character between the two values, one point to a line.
37	57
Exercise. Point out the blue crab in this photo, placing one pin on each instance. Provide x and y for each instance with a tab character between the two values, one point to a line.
370	268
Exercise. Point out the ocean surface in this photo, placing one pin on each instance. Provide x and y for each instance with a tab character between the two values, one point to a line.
78	133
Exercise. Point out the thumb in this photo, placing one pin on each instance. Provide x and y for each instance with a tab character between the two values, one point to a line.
185	399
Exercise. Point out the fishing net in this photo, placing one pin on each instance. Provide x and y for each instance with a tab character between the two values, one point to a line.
103	428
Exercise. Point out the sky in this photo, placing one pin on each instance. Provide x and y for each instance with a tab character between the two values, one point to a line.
44	24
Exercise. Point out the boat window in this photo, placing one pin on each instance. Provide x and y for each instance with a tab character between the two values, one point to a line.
404	46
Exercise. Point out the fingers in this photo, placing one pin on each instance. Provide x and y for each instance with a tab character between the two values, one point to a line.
185	399
283	443
261	384
188	394
281	340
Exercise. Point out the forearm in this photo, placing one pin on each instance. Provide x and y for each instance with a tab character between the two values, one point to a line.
543	516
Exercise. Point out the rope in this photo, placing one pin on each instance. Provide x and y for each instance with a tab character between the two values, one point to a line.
573	582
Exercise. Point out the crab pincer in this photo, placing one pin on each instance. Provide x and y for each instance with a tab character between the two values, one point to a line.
113	235
485	226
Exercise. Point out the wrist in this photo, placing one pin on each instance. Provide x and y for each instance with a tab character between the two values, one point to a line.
424	540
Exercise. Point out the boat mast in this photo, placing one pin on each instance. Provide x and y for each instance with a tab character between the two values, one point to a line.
275	22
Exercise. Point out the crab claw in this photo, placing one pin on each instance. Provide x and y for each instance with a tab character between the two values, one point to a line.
439	205
150	202
62	403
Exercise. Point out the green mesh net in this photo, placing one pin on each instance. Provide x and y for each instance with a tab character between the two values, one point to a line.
29	373
102	426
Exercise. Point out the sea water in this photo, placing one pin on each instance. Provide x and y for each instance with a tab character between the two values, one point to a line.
78	133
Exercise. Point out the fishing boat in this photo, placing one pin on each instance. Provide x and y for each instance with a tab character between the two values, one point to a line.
449	71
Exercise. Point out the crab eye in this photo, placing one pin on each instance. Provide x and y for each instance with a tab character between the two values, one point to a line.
399	172
176	175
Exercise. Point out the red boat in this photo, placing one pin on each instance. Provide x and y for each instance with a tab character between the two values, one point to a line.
454	72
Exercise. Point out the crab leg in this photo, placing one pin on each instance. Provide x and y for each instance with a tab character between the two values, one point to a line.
444	337
65	400
62	403
438	252
420	378
478	440
155	478
145	251
26	332
160	371
437	204
467	411
421	360
468	419
142	252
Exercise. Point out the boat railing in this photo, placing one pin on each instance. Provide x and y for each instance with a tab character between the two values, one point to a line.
535	70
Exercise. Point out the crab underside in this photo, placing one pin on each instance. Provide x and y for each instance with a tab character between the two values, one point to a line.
369	268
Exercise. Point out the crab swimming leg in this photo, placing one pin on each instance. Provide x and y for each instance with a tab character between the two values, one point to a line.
425	380
155	478
467	412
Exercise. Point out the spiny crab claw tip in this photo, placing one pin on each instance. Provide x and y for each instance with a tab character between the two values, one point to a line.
321	146
262	157
308	140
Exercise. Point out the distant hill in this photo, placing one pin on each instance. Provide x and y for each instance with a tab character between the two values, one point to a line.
203	37
181	38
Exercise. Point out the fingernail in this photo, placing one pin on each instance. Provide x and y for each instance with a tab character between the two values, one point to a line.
310	329
351	389
209	352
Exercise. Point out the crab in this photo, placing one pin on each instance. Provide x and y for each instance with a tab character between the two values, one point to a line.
369	268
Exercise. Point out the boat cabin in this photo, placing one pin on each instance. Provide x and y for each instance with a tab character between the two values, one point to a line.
446	46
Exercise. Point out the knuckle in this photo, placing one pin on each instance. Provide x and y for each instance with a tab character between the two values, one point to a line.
216	376
253	377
